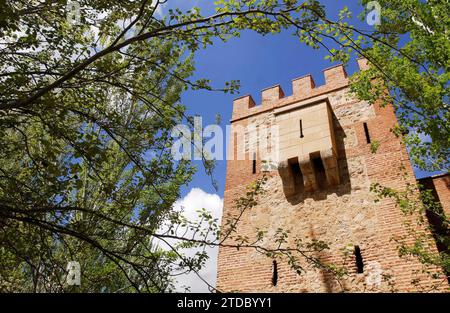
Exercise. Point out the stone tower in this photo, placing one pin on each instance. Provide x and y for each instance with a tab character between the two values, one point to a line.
319	191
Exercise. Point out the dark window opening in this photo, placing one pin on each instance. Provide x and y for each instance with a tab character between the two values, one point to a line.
301	129
359	260
254	163
274	273
366	131
296	172
318	164
319	171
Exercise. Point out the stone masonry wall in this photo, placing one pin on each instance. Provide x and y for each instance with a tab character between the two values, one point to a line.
344	216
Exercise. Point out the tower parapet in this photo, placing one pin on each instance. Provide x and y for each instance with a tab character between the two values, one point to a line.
303	88
306	125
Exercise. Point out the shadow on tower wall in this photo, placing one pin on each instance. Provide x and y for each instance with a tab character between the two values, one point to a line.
326	277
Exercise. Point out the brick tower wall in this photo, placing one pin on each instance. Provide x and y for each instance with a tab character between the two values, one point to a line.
440	185
343	215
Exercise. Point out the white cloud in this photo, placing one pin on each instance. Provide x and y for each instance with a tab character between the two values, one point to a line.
195	200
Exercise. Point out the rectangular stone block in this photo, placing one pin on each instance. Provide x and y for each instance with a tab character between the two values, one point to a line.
272	94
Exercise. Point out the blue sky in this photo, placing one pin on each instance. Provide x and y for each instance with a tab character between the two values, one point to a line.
258	62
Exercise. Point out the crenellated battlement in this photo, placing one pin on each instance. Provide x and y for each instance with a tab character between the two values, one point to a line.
303	88
306	127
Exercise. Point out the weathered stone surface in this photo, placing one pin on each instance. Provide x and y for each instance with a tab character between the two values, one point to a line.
344	215
287	177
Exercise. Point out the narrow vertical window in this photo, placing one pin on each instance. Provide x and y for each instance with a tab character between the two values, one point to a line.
301	129
366	131
359	260
274	273
254	163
